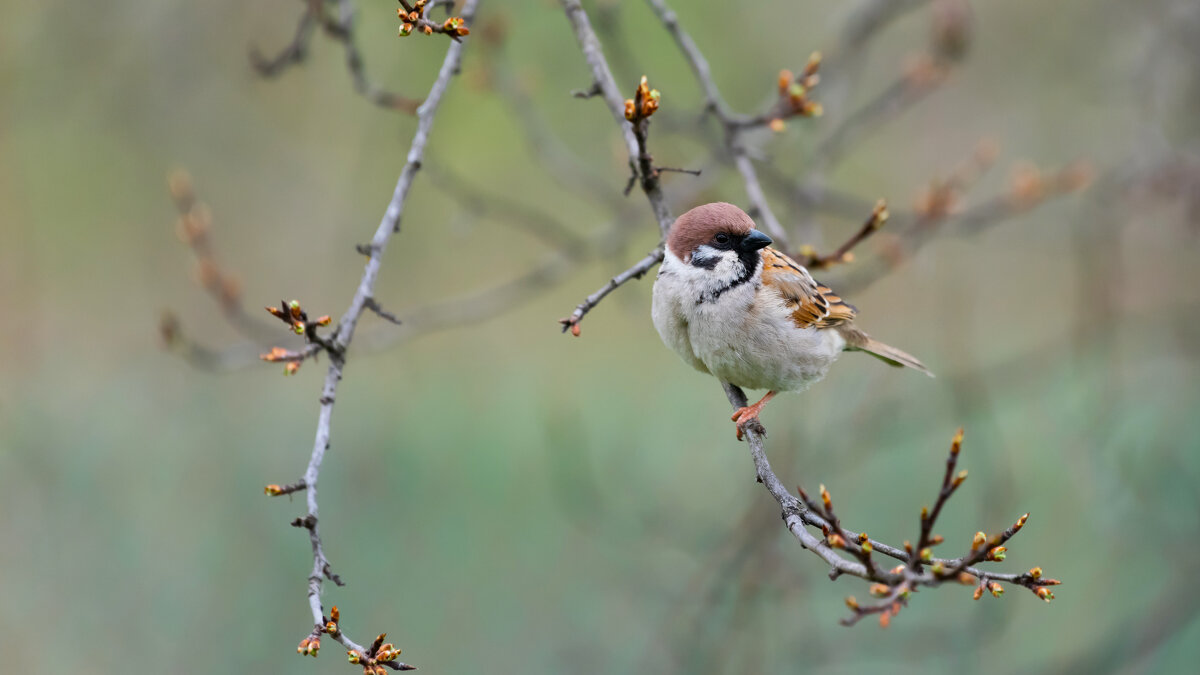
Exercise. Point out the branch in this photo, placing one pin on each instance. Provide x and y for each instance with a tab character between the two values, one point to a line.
638	271
342	30
294	52
194	229
603	81
336	346
792	101
920	567
922	77
879	216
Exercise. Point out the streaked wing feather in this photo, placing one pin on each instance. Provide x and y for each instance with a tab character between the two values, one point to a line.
814	304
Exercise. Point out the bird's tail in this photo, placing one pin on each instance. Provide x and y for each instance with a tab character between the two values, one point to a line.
888	354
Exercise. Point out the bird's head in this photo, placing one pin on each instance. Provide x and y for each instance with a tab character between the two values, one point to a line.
717	237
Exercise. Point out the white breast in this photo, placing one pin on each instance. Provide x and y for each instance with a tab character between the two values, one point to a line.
745	336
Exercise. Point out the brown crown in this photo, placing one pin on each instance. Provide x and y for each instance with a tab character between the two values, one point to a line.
702	223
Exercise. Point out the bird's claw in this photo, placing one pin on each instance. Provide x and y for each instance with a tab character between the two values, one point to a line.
745	417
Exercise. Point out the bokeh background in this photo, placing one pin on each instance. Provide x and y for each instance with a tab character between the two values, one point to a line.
504	498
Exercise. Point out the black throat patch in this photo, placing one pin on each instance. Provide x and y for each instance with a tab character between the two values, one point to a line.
750	262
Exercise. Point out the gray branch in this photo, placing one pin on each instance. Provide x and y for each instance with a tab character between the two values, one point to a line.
344	333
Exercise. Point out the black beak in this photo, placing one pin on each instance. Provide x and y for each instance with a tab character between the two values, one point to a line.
755	240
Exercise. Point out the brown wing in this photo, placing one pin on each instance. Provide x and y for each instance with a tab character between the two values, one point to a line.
814	304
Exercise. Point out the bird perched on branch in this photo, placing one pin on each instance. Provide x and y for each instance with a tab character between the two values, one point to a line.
736	308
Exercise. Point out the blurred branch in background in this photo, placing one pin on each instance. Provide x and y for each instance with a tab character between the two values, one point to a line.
341	30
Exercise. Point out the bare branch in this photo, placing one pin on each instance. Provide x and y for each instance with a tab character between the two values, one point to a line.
342	31
639	270
294	52
920	568
758	199
603	80
924	75
194	229
336	346
879	216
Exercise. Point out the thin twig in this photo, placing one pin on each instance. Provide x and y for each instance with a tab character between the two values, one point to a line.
342	336
639	270
603	80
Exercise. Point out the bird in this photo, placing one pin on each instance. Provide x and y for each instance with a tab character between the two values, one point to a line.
735	308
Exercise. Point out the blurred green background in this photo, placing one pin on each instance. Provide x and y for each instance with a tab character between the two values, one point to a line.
504	498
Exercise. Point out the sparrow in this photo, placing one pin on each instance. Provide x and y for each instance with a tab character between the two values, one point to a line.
735	308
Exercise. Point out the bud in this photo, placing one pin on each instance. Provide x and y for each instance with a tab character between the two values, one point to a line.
879	590
291	368
1036	573
354	656
885	619
996	589
978	592
979	540
629	110
851	602
936	539
814	62
996	553
303	647
776	125
275	491
926	554
785	80
938	568
880	214
1044	593
406	29
836	541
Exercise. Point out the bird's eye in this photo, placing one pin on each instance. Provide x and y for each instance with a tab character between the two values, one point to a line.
721	239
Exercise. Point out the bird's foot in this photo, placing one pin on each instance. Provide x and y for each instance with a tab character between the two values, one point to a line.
747	417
